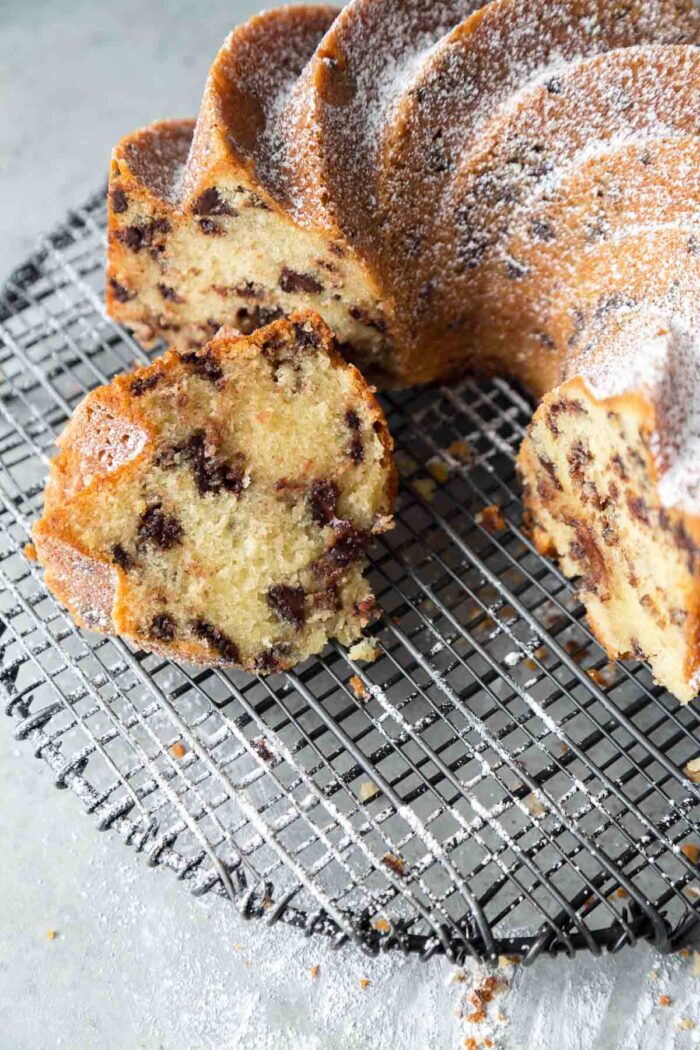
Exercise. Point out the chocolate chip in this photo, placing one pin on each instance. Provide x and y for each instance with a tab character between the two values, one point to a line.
249	290
579	458
291	281
143	383
211	228
140	235
159	528
638	508
288	603
249	321
352	419
211	473
169	293
323	501
359	313
210	202
204	365
162	627
119	201
120	292
271	660
554	86
350	545
121	557
306	336
356	451
216	639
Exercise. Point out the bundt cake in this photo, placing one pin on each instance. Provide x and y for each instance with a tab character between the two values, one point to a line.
217	506
508	188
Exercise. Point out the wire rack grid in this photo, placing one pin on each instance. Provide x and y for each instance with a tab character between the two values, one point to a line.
488	785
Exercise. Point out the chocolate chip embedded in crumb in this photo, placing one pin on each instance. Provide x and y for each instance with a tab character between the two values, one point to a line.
119	201
356	451
216	639
306	335
288	604
290	281
143	383
159	528
249	320
121	557
249	290
169	293
210	202
359	313
162	628
349	545
211	472
323	501
204	364
352	419
273	659
120	292
211	228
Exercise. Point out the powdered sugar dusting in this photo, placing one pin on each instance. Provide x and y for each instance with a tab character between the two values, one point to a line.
658	352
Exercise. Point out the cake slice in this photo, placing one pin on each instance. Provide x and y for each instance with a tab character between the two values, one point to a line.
612	486
217	506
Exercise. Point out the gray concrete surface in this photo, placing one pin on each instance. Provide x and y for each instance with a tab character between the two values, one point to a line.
137	963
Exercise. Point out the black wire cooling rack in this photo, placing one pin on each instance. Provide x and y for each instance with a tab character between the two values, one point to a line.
488	785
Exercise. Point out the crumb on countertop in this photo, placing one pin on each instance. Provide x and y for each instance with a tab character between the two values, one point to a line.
665	1000
314	970
364	982
51	935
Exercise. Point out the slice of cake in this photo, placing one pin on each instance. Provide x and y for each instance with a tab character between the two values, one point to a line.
217	506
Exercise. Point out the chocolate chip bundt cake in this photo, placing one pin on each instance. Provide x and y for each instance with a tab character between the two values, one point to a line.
217	506
507	188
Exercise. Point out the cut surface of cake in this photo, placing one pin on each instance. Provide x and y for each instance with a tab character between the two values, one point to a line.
217	506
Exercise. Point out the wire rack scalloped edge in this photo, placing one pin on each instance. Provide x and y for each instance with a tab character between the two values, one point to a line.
561	817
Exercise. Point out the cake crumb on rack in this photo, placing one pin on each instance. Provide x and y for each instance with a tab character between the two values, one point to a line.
397	864
439	470
364	650
262	749
425	487
665	1000
358	687
691	851
491	518
692	770
51	935
685	1024
314	970
368	790
178	749
30	551
382	925
461	451
364	982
